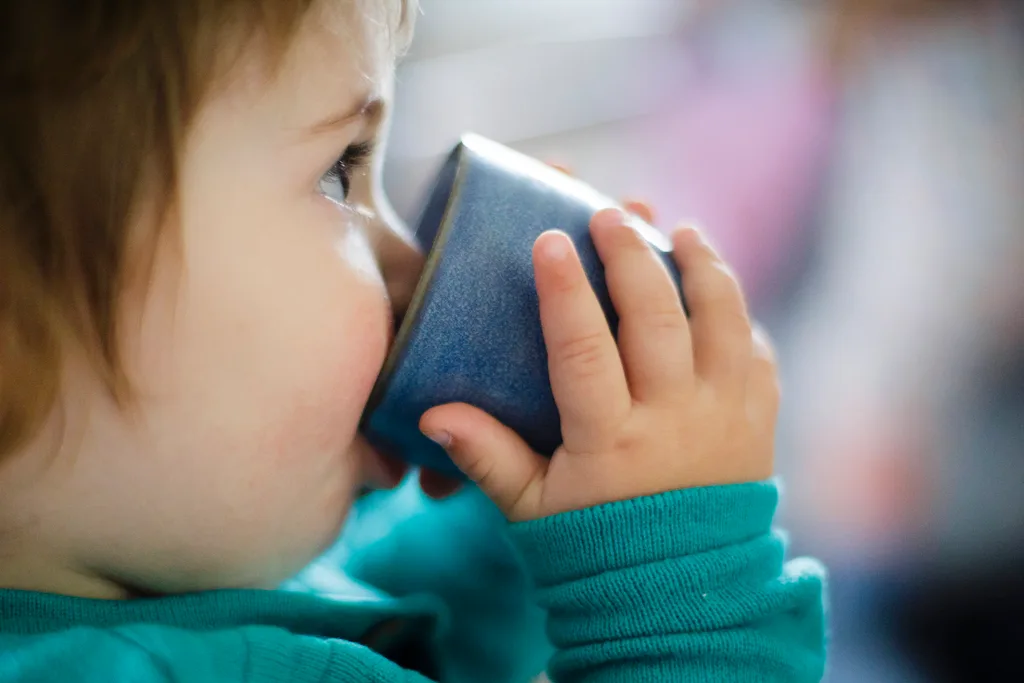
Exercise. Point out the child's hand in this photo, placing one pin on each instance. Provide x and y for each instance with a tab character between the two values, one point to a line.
675	404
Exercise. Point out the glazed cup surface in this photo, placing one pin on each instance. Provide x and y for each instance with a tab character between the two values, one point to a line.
472	333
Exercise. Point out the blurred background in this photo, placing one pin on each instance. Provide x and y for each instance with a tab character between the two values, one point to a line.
861	162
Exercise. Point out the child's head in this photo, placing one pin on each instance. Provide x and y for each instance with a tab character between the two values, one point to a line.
193	307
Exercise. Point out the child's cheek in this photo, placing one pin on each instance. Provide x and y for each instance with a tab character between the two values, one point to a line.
323	413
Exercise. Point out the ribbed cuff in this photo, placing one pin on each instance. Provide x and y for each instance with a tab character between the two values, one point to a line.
646	530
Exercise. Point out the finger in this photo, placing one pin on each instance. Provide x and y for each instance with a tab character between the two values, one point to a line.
654	336
719	324
437	485
642	210
763	389
491	455
587	378
383	471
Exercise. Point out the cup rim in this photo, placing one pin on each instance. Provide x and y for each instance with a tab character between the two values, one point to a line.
433	256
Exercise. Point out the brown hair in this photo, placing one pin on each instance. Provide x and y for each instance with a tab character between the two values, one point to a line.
96	97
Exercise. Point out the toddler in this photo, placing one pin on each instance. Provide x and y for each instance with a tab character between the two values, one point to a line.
199	278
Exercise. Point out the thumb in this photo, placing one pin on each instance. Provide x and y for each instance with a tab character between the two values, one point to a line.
493	456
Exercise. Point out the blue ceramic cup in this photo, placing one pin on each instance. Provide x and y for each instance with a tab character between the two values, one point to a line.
472	333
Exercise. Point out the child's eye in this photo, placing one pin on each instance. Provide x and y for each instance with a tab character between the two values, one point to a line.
336	183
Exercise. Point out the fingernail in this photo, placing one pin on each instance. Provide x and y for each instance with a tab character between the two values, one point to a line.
441	438
557	247
609	218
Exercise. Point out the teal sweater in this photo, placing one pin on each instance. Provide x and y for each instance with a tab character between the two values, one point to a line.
683	586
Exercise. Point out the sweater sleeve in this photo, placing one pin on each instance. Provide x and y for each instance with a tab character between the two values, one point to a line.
684	586
148	653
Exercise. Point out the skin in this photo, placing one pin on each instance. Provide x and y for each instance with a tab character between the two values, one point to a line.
252	350
255	345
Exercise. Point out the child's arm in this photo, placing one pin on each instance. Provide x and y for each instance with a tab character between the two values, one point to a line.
685	586
661	575
690	580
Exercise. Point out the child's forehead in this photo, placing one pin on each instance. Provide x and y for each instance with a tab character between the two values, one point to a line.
360	33
345	49
361	25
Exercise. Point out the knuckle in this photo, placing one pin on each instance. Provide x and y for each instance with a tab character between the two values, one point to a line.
484	474
564	283
718	283
476	468
734	323
704	253
726	279
629	440
485	479
582	355
665	319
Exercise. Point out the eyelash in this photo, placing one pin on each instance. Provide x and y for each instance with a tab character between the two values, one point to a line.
355	157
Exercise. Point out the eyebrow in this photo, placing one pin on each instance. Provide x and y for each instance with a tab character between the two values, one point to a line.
369	107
